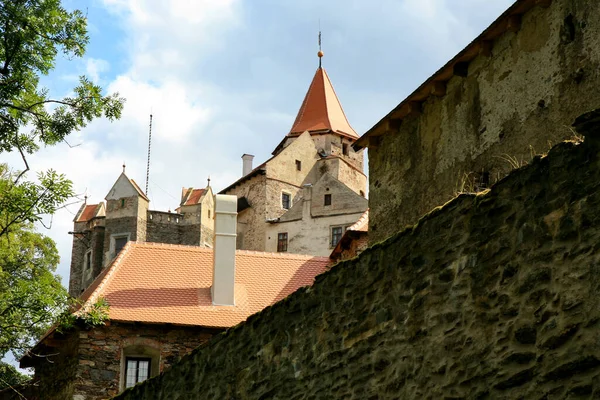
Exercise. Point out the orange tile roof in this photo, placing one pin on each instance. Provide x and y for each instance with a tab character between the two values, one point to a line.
159	283
193	197
87	212
321	110
362	225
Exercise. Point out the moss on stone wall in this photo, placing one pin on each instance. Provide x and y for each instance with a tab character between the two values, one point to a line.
490	296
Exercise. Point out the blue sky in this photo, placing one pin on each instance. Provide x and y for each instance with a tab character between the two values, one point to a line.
226	77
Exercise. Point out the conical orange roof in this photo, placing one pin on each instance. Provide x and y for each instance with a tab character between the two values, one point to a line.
321	110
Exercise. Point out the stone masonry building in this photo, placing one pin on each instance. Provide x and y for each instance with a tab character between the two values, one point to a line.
101	230
511	93
164	300
303	198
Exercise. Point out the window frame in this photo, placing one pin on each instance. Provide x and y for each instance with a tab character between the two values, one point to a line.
113	240
87	269
327	199
289	200
282	242
137	370
298	165
333	235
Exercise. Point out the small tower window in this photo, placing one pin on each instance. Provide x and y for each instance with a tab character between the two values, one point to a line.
327	200
208	213
285	201
282	242
122	203
345	148
298	165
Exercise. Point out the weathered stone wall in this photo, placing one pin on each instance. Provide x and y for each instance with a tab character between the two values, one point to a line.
492	296
511	104
309	222
251	221
88	364
90	238
356	246
78	250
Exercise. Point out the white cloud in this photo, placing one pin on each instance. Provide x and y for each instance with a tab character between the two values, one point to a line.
94	67
225	77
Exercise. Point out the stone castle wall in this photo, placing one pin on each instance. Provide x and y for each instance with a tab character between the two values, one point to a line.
89	363
513	103
492	296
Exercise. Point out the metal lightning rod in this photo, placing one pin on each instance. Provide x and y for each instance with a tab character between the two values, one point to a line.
149	144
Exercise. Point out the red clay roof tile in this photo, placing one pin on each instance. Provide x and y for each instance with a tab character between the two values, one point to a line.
321	109
158	283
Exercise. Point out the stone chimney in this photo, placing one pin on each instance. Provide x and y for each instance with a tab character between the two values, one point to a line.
306	201
247	164
223	292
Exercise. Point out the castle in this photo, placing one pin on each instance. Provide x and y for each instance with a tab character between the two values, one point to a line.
299	201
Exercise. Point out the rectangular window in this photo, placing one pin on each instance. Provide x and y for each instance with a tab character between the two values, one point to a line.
282	241
327	200
336	235
298	165
345	149
87	262
136	370
285	201
120	242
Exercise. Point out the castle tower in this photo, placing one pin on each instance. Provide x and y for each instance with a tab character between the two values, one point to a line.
321	115
126	216
316	151
86	254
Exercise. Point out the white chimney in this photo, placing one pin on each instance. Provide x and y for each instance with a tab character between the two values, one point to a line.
306	201
223	293
247	164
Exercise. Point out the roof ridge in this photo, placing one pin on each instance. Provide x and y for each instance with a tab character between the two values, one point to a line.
278	254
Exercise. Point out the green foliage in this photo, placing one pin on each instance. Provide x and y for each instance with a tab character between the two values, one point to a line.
25	202
33	32
10	377
31	295
94	315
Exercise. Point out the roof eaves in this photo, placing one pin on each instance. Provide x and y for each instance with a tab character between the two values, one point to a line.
139	190
260	170
501	25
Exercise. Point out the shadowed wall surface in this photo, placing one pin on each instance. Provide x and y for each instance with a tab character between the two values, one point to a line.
492	296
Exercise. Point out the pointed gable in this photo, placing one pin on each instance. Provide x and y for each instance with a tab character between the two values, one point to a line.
125	187
321	110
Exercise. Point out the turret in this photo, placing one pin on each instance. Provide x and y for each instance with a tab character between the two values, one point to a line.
126	216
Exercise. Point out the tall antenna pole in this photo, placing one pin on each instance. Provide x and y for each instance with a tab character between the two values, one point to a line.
149	144
320	53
